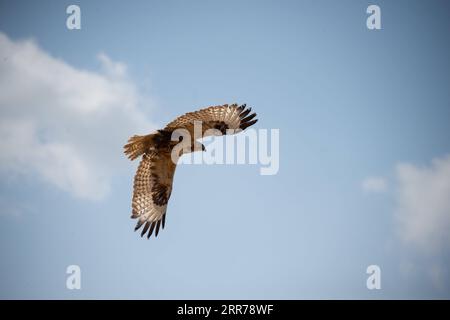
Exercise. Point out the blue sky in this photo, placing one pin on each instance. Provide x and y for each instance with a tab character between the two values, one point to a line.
364	167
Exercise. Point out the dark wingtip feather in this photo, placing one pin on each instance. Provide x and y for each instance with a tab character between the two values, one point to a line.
139	224
250	117
248	124
151	230
244	113
144	230
242	107
157	228
163	220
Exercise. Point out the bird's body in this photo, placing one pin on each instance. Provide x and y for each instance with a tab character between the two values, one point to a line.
154	176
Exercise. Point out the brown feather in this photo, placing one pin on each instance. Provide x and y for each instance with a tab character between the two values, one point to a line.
218	117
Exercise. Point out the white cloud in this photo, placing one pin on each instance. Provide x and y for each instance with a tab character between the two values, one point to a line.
422	218
62	124
423	204
374	184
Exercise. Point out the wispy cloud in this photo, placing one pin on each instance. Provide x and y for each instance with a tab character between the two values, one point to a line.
374	184
423	204
62	124
421	217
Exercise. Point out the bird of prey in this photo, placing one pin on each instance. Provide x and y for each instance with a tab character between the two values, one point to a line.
154	176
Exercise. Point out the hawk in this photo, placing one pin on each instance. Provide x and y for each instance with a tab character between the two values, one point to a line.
154	176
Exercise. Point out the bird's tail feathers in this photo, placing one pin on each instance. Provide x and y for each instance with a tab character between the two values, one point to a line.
137	146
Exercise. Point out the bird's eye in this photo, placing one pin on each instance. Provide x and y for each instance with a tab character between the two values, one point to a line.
180	139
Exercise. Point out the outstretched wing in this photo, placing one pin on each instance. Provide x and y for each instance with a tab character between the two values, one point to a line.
216	117
151	192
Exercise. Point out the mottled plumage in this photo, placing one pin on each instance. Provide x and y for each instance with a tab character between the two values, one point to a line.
154	176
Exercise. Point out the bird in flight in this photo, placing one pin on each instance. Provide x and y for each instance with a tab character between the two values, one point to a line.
154	176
